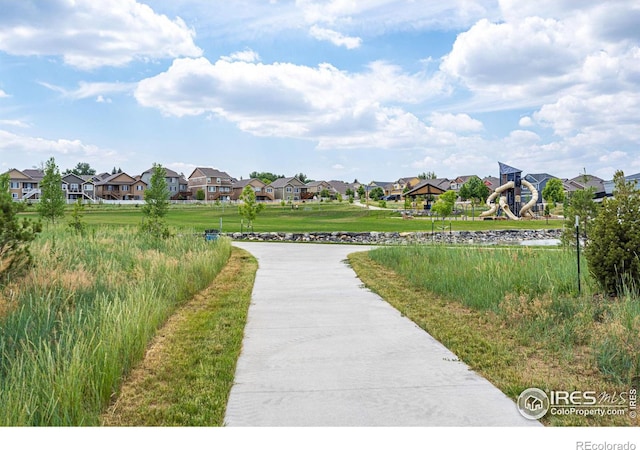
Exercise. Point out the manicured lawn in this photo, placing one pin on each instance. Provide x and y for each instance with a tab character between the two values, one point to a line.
308	217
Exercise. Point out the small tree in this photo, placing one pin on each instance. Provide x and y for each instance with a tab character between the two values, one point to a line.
15	235
200	195
445	204
580	203
52	198
362	192
156	204
81	168
554	191
249	208
613	249
376	193
76	223
476	191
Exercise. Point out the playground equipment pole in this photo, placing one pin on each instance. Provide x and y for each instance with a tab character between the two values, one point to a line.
578	249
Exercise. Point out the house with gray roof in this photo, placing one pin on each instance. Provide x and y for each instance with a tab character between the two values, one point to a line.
177	184
288	189
216	185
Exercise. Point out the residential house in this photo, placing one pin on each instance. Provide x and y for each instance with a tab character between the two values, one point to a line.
386	187
492	183
77	187
340	187
539	182
24	185
119	186
398	188
609	185
583	182
288	189
216	185
259	187
314	188
177	184
458	182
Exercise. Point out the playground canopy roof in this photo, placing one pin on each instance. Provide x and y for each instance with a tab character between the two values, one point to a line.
427	187
505	169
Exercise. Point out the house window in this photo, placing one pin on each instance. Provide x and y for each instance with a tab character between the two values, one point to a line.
270	190
297	190
208	180
74	186
14	195
289	189
64	187
218	180
212	188
139	188
125	188
14	185
88	187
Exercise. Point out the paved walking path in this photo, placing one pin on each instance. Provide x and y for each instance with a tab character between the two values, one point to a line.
320	350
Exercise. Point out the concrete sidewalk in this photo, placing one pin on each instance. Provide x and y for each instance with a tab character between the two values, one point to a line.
320	350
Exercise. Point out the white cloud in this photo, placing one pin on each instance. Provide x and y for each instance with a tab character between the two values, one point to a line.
29	150
336	38
14	123
526	122
89	34
336	108
3	94
92	90
460	123
338	167
245	55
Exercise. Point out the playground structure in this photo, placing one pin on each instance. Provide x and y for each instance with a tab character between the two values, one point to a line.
509	195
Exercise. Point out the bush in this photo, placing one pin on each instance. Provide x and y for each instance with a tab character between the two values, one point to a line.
15	235
614	246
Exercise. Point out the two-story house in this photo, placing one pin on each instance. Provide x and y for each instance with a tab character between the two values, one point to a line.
24	185
177	184
120	186
259	187
288	189
77	187
315	188
400	186
216	185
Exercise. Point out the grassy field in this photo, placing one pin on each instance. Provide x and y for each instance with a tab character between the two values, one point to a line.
514	316
308	217
82	318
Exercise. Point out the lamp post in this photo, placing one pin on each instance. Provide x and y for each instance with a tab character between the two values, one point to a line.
578	250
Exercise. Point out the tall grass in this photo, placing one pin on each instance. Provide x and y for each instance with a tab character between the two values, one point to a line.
83	317
534	291
480	277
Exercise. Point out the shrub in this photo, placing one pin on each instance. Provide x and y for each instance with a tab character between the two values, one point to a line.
15	235
614	246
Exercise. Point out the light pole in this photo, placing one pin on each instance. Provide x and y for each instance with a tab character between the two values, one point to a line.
578	250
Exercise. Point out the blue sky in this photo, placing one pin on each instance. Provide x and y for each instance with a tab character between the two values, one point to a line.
337	89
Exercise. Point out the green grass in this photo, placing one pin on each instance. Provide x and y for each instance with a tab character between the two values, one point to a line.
83	316
308	217
539	337
189	370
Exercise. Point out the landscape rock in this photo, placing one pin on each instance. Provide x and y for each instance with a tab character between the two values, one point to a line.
491	237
